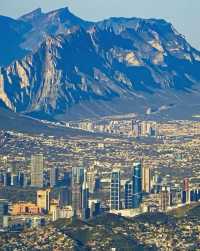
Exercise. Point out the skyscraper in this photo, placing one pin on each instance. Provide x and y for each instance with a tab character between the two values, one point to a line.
37	168
21	179
137	184
146	179
115	203
164	199
85	192
76	198
8	178
65	197
85	198
53	176
128	194
43	199
77	182
78	174
91	179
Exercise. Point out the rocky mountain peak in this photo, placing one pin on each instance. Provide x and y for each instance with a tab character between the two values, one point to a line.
32	16
130	62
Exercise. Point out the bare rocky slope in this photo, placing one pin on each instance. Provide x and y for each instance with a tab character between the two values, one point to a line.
69	68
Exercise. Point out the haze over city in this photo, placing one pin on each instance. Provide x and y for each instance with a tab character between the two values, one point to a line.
99	125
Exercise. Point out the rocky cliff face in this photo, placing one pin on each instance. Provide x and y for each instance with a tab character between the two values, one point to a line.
78	62
23	36
48	24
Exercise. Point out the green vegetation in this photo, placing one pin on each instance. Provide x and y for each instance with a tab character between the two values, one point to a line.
185	210
105	231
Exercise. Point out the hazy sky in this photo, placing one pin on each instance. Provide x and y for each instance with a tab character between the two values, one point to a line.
184	14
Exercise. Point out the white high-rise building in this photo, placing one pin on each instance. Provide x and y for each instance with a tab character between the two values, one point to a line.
146	179
37	168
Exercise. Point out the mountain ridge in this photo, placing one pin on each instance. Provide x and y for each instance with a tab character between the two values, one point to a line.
130	62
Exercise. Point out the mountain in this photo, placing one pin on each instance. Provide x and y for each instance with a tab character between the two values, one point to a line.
48	24
25	35
80	69
12	36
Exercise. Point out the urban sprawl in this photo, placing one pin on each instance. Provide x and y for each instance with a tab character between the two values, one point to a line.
134	168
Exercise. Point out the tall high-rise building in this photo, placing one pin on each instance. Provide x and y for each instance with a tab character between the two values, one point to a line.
53	176
43	199
146	179
65	197
37	168
66	179
78	174
76	198
128	194
8	179
136	128
175	196
137	184
78	177
164	199
21	179
85	193
91	179
115	202
85	198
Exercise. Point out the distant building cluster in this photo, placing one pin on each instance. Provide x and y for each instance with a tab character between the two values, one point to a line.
130	127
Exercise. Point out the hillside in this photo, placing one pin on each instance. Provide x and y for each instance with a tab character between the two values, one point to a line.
19	123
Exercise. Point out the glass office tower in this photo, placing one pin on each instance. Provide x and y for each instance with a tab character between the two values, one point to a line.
137	184
115	203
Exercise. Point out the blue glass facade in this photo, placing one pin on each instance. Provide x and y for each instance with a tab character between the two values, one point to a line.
137	185
115	190
128	194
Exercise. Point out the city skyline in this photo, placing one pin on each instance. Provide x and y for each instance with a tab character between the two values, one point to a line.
99	125
100	180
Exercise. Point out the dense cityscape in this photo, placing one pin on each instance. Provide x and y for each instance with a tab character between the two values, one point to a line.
99	125
140	175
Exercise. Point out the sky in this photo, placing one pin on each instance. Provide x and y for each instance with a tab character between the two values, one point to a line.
183	14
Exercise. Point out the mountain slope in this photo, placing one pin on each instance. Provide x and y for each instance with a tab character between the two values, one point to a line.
114	66
48	24
26	34
12	36
10	121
